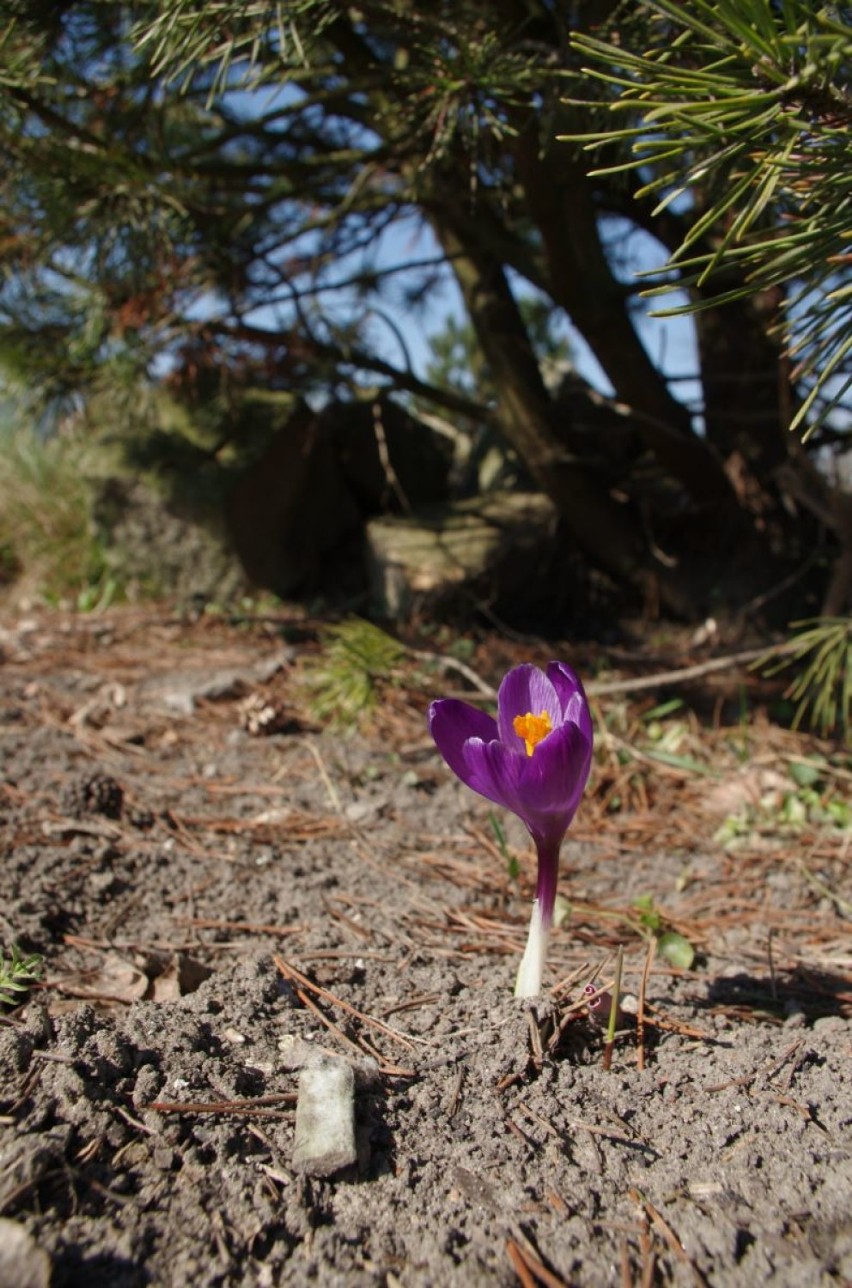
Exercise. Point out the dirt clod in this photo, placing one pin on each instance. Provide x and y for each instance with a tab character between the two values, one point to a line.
94	794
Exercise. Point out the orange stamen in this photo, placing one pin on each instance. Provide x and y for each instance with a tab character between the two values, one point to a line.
532	729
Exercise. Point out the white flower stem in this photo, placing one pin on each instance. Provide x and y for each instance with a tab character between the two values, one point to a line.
531	968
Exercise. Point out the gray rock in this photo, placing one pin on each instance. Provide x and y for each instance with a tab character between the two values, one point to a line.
178	691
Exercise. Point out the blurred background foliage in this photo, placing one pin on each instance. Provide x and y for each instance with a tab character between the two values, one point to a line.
226	229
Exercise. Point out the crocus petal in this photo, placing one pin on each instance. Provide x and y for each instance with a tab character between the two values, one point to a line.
552	780
572	696
565	681
577	713
544	789
494	771
452	723
525	689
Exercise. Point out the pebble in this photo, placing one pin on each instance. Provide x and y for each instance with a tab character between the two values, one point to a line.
23	1264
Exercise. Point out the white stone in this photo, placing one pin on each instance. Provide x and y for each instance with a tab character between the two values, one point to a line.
23	1264
325	1117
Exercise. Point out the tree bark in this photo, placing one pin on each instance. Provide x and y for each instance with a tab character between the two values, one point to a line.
560	201
747	392
606	530
743	382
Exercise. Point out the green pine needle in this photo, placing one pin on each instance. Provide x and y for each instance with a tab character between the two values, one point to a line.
357	661
821	649
747	105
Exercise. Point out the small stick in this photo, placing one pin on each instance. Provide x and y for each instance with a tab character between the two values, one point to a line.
626	1276
260	1108
453	664
640	1013
329	1024
662	1226
296	977
530	1269
599	688
563	985
519	1265
684	673
674	1026
609	1133
253	927
613	1011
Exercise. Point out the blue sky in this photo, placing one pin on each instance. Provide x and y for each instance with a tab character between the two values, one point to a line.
400	333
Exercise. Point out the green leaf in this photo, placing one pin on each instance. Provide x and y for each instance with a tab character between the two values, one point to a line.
499	833
685	763
805	773
649	917
664	709
677	950
17	975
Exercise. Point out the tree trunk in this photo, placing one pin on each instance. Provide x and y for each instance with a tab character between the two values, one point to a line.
606	530
559	199
746	404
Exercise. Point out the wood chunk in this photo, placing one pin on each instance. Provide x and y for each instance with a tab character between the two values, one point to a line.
499	542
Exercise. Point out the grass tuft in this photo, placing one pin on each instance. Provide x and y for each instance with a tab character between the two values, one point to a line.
17	975
48	541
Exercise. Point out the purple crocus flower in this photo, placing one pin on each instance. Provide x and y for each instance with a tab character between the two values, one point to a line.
534	759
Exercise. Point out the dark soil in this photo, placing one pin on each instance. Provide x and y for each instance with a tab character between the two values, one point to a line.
206	897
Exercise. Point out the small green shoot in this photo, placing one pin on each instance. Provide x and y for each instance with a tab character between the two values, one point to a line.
612	1022
813	800
462	649
674	947
664	709
806	773
17	975
98	597
668	741
649	917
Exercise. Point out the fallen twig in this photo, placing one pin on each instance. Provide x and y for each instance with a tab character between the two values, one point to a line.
262	1107
529	1269
643	989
